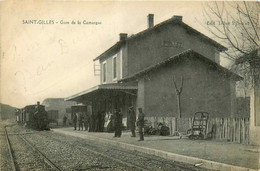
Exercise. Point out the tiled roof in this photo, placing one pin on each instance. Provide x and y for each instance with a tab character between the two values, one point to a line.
113	86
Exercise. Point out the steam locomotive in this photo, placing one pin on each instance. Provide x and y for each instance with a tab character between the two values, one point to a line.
33	116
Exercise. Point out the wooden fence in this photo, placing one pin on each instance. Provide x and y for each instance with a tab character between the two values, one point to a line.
230	129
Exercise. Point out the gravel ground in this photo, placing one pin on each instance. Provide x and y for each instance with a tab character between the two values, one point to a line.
4	157
65	149
5	160
25	157
66	153
4	153
71	153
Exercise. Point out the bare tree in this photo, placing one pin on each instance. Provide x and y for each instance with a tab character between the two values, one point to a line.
236	26
178	92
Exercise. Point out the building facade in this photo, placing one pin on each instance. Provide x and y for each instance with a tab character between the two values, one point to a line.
58	107
253	59
206	86
138	71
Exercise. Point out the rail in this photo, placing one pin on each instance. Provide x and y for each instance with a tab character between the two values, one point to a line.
143	168
10	150
48	161
14	167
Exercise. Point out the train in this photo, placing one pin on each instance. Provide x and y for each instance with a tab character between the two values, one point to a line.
33	116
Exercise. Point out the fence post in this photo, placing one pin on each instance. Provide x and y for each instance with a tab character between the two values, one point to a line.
214	124
242	130
233	130
218	128
226	128
248	129
238	130
170	125
222	128
173	124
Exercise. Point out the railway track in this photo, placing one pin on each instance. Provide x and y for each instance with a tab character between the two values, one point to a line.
61	153
14	165
96	148
164	162
151	158
129	164
113	159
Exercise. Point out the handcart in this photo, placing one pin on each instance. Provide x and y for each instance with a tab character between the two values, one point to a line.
199	126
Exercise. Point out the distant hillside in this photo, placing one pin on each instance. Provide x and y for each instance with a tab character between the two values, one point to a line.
7	111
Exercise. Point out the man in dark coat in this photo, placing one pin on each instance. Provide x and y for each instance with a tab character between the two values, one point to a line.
99	122
80	120
86	121
118	123
102	122
132	120
74	119
90	129
64	120
140	124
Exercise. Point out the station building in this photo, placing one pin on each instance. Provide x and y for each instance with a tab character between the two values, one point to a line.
140	71
57	108
253	59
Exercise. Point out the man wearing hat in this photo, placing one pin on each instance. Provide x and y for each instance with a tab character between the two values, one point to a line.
80	120
140	124
118	123
74	119
132	120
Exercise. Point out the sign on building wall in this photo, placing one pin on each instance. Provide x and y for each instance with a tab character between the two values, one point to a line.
169	43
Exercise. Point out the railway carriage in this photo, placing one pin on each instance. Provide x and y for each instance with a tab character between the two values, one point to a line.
18	114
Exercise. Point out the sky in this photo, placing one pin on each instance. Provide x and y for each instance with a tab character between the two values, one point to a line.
55	59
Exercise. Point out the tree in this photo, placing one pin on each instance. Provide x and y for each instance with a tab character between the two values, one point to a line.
236	26
178	92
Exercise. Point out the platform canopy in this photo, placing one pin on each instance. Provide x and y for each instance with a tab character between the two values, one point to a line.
104	91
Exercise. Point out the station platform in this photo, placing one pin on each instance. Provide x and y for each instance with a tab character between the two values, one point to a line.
216	155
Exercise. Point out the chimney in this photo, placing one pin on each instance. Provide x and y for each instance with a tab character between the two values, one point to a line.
38	105
150	22
122	36
177	18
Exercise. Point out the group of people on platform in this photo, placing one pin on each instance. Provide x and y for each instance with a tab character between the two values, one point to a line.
92	123
139	122
96	123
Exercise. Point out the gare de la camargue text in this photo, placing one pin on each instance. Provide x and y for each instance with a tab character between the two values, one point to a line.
52	22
